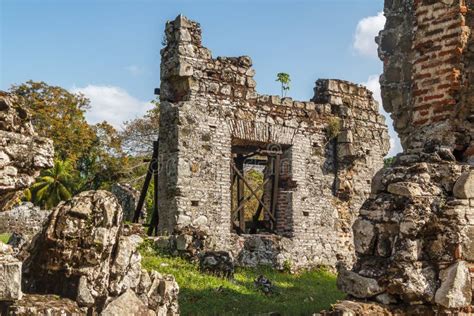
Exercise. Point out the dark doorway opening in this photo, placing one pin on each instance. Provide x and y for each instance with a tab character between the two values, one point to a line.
255	184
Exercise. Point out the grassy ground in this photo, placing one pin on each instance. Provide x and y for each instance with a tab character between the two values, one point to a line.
4	237
201	294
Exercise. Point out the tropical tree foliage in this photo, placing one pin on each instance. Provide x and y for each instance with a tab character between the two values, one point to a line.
92	154
54	185
59	115
104	163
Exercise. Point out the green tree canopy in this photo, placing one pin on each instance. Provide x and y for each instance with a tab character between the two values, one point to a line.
59	115
139	134
90	155
105	162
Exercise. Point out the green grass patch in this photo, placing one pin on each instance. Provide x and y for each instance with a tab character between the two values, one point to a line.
201	294
4	237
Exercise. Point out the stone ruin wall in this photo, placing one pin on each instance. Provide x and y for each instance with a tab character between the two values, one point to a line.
24	219
22	152
426	48
207	104
414	237
82	259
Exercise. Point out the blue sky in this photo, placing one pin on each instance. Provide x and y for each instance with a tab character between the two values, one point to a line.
109	50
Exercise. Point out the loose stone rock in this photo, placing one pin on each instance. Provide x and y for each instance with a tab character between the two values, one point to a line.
464	187
358	286
82	254
455	290
218	263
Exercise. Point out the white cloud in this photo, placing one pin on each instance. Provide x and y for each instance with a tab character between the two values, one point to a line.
373	85
112	104
395	146
367	29
134	70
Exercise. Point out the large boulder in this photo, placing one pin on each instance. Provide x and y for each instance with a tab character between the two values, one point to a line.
82	254
22	153
464	187
358	286
455	290
32	304
127	304
128	199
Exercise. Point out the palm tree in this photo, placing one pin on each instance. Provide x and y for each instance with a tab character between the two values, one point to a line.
53	186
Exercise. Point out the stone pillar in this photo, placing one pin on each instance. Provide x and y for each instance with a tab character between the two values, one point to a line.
414	235
426	49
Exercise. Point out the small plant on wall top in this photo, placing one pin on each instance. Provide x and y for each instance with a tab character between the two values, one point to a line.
285	80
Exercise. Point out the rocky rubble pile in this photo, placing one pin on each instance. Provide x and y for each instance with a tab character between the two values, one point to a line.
219	263
24	218
415	236
82	255
22	153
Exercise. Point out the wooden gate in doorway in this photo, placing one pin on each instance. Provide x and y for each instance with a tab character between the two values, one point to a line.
264	217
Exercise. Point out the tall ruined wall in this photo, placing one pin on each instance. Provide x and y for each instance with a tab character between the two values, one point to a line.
208	105
22	153
414	237
426	48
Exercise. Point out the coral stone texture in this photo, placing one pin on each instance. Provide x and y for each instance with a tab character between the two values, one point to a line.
10	275
128	199
82	254
22	153
426	48
416	231
210	109
25	219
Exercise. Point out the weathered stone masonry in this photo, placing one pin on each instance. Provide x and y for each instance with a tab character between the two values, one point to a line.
414	237
210	105
22	152
426	48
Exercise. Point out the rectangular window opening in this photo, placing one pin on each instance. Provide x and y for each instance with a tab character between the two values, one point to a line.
259	172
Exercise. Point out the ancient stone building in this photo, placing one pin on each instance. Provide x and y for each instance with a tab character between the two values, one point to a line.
316	157
414	237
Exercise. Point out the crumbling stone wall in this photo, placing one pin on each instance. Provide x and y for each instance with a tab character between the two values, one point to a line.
208	105
22	153
25	219
426	49
414	235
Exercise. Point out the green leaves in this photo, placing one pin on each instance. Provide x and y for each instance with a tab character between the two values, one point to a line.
59	115
284	78
53	185
285	81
